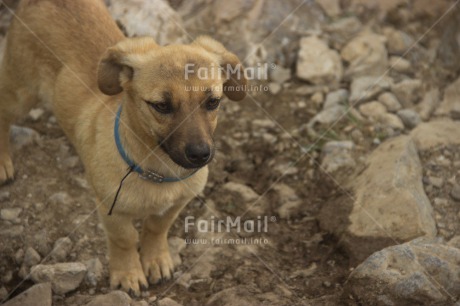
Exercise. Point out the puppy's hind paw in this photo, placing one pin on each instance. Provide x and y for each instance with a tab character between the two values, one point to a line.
6	170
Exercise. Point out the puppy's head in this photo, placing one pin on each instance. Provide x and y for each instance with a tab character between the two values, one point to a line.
174	91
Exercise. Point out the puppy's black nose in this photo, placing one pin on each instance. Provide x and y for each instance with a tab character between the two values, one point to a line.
198	153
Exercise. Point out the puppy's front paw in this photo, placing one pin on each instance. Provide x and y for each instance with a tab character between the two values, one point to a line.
157	265
6	169
131	279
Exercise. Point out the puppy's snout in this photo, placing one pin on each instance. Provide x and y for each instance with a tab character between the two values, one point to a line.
198	153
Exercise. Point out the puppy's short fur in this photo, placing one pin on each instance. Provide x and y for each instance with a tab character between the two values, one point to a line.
72	54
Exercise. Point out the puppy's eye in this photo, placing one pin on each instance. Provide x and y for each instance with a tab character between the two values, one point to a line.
212	104
161	107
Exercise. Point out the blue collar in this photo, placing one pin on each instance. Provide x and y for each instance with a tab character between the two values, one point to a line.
144	174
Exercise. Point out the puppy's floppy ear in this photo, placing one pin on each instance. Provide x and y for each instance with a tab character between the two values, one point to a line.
116	67
234	87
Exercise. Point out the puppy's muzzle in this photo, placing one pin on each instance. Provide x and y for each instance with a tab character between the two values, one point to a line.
198	154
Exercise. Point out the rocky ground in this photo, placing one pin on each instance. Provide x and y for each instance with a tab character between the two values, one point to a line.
350	149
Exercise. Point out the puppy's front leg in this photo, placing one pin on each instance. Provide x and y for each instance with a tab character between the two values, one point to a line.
125	267
155	257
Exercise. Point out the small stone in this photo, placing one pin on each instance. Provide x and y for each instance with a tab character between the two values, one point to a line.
4	196
61	249
263	124
31	257
71	162
407	92
274	88
436	181
337	157
357	135
450	103
9	214
3	293
372	109
13	231
398	41
94	274
455	112
331	7
409	117
317	98
428	104
327	284
280	75
328	115
289	202
305	272
390	101
392	121
455	192
400	64
336	98
19	256
7	276
22	136
343	30
60	198
366	88
64	277
39	294
36	113
168	302
114	298
245	192
81	182
317	63
366	54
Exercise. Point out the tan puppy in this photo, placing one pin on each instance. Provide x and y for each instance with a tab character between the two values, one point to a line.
72	54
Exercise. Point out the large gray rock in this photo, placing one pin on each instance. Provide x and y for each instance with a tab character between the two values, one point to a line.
149	18
317	63
64	277
366	55
420	272
387	203
39	294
